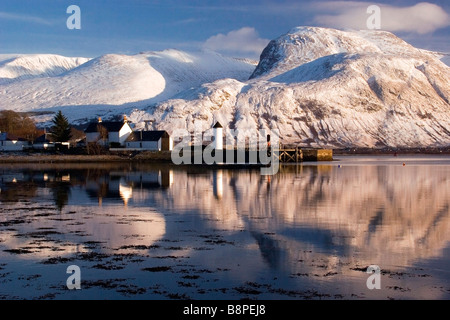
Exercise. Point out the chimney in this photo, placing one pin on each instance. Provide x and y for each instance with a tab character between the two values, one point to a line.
147	124
125	119
99	120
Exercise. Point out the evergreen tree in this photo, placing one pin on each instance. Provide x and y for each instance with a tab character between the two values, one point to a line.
61	128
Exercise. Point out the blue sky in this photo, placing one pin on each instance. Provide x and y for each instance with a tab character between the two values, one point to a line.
234	27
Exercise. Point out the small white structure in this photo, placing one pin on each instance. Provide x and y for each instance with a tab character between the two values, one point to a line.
150	141
218	136
218	184
9	142
108	132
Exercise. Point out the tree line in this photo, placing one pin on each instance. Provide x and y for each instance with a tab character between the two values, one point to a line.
19	124
22	126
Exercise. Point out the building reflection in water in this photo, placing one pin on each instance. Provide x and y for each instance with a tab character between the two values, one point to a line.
120	185
387	215
218	184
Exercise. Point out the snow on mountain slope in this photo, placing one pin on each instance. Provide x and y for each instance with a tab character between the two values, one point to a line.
18	67
184	71
305	44
327	88
446	59
112	84
319	87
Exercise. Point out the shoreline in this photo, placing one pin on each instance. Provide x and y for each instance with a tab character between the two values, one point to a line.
165	157
392	151
33	158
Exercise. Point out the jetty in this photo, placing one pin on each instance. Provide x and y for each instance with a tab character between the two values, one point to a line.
242	157
297	154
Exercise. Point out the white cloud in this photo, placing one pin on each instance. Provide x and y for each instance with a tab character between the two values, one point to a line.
243	42
421	18
23	18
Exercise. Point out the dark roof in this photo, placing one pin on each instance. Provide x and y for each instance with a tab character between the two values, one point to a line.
45	138
110	126
4	136
217	125
147	136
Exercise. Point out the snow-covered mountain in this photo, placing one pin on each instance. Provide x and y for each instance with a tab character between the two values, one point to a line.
111	84
319	87
328	88
20	67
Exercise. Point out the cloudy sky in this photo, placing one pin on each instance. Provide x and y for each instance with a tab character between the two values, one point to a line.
235	27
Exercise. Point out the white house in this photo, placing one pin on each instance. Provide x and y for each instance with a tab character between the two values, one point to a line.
108	132
9	142
149	140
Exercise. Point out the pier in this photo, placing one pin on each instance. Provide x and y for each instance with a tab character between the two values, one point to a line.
296	155
248	156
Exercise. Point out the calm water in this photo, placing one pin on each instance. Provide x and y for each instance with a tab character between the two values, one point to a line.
163	232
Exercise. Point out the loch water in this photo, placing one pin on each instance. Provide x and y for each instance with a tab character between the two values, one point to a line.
159	231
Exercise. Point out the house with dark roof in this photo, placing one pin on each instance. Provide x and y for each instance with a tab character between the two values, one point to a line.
10	142
108	132
149	140
44	142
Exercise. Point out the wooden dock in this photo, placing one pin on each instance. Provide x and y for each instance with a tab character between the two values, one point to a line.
285	155
296	155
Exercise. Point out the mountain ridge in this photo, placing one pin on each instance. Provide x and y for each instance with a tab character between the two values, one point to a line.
319	87
322	87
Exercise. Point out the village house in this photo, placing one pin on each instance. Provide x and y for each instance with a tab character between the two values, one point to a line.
149	141
44	142
108	133
10	142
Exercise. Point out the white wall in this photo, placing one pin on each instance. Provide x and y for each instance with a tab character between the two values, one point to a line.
114	137
12	145
43	146
146	145
124	133
117	137
218	138
92	136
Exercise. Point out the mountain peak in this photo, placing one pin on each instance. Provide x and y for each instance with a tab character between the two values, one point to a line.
305	44
318	87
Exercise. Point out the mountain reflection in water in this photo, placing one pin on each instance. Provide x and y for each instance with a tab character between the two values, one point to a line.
347	216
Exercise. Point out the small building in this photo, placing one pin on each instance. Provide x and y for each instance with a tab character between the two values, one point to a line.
108	133
10	142
149	141
44	142
218	136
